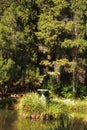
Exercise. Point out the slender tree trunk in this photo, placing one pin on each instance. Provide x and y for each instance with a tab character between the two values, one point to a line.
75	59
58	74
75	79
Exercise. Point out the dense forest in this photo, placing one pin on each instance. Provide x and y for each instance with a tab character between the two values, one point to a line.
43	44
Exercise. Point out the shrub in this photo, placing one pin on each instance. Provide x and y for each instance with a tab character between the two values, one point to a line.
31	103
67	91
56	110
35	107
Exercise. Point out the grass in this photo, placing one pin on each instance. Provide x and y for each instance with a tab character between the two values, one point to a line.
34	107
31	105
80	105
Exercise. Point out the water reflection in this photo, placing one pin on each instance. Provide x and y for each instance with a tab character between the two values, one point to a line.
9	121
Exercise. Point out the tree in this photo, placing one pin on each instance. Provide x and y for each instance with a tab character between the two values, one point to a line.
77	42
63	26
52	31
18	42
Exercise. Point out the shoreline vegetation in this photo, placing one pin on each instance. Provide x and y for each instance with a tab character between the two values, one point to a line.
35	107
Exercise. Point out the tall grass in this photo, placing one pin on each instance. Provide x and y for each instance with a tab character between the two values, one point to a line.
32	105
80	105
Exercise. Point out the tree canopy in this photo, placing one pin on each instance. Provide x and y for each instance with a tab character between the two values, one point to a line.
44	42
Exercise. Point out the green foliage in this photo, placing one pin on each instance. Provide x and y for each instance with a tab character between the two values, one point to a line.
49	26
79	106
45	62
67	91
18	48
7	103
31	103
69	65
7	71
30	30
81	44
52	86
32	74
82	91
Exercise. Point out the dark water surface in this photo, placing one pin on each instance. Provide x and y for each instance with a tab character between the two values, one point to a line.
10	121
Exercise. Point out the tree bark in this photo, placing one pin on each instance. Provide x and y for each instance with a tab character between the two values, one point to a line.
75	59
75	80
58	74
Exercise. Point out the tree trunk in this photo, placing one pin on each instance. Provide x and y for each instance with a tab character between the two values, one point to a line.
75	59
75	80
58	74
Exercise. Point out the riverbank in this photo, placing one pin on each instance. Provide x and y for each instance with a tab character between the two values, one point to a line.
33	106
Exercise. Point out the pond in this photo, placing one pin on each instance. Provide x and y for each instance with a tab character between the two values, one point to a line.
10	121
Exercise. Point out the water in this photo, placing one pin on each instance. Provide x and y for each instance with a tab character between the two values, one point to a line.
10	121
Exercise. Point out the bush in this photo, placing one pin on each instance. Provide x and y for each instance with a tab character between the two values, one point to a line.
51	84
35	107
56	110
31	103
67	91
